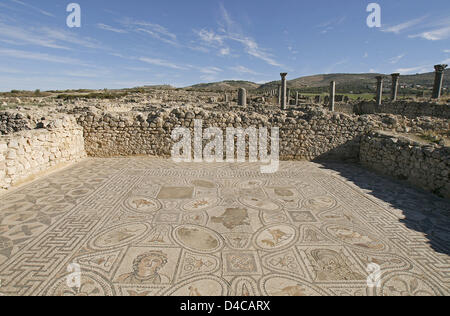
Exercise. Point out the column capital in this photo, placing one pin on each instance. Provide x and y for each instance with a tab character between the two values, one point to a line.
440	68
395	75
283	74
380	78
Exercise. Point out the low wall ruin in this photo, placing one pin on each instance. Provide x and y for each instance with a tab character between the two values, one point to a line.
424	166
310	134
404	108
27	154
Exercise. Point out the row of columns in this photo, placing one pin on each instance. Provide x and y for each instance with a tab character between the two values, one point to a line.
284	94
437	88
394	90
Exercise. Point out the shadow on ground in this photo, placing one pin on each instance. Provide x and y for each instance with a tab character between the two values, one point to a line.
422	211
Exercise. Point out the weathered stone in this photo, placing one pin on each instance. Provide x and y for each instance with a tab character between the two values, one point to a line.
332	95
283	100
394	89
242	97
438	81
379	96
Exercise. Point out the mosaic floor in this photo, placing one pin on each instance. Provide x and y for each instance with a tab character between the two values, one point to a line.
143	226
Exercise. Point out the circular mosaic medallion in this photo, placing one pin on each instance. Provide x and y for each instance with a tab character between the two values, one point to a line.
258	203
320	203
207	285
406	284
142	204
275	237
280	285
200	204
251	184
91	284
119	236
197	238
356	237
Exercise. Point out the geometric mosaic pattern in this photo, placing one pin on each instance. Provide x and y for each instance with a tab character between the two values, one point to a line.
146	227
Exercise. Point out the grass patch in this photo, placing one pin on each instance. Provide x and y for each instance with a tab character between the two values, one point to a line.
22	93
93	95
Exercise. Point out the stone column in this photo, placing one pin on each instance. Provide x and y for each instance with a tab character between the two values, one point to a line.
242	97
438	80
296	98
227	98
380	80
279	95
288	96
283	90
394	90
332	94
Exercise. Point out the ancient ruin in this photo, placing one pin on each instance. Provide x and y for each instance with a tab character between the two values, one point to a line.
90	182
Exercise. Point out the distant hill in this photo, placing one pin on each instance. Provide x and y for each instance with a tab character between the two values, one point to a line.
229	85
346	83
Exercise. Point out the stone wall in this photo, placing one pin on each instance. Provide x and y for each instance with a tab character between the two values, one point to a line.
424	166
11	122
310	134
307	133
405	108
26	154
347	108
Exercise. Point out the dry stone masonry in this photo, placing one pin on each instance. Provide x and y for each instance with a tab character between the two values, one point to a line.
424	166
30	153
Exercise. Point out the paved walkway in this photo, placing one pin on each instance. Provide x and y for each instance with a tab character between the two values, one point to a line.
144	226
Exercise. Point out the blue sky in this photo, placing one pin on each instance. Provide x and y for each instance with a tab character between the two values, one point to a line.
133	43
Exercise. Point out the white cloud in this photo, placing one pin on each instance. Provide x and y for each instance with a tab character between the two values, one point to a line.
33	7
209	37
39	56
21	36
208	78
447	51
161	63
231	31
414	70
8	70
434	35
224	51
44	37
396	29
110	28
252	48
396	59
70	37
243	70
331	24
156	31
210	70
